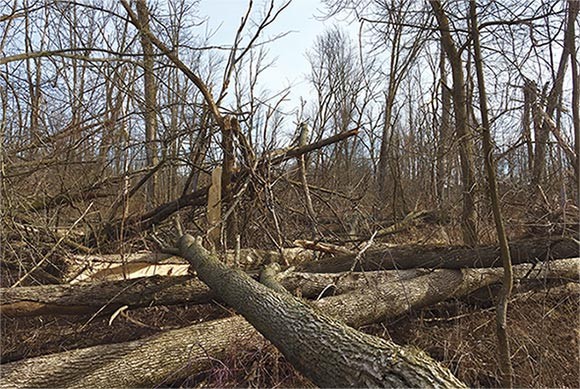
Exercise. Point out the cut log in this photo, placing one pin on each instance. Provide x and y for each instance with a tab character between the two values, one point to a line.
524	251
177	354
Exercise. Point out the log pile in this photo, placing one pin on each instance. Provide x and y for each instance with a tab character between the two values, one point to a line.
333	303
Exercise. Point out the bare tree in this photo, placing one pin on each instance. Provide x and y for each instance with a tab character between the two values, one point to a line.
490	168
150	92
462	130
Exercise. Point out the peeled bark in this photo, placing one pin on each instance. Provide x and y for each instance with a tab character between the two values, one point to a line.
524	251
120	267
177	354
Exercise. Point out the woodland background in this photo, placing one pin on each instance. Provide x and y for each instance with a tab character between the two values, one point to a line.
110	136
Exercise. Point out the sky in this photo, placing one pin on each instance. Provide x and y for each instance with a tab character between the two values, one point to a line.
303	18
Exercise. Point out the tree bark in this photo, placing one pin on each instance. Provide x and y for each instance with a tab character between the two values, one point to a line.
325	350
443	135
177	354
529	91
458	257
376	303
105	296
573	9
228	172
542	135
150	362
505	365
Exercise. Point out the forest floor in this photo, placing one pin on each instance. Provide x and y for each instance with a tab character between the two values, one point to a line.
543	326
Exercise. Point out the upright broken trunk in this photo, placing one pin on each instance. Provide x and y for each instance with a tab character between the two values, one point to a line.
150	90
228	171
325	350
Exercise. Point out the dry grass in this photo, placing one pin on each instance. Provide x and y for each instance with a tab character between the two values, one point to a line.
543	330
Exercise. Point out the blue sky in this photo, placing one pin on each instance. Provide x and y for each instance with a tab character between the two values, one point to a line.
302	18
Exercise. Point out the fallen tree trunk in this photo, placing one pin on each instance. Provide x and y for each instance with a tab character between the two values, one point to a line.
121	267
177	354
150	362
108	296
524	251
375	304
325	350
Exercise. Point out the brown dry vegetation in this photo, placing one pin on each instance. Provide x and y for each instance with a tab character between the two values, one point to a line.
112	159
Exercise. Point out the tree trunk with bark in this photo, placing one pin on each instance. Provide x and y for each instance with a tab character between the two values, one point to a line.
458	257
150	92
324	349
505	365
106	297
443	134
553	99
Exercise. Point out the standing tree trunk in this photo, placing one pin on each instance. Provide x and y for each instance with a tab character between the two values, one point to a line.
573	7
466	152
463	132
505	365
553	100
529	90
442	147
150	90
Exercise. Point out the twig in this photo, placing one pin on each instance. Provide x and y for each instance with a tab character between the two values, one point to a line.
41	262
362	251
